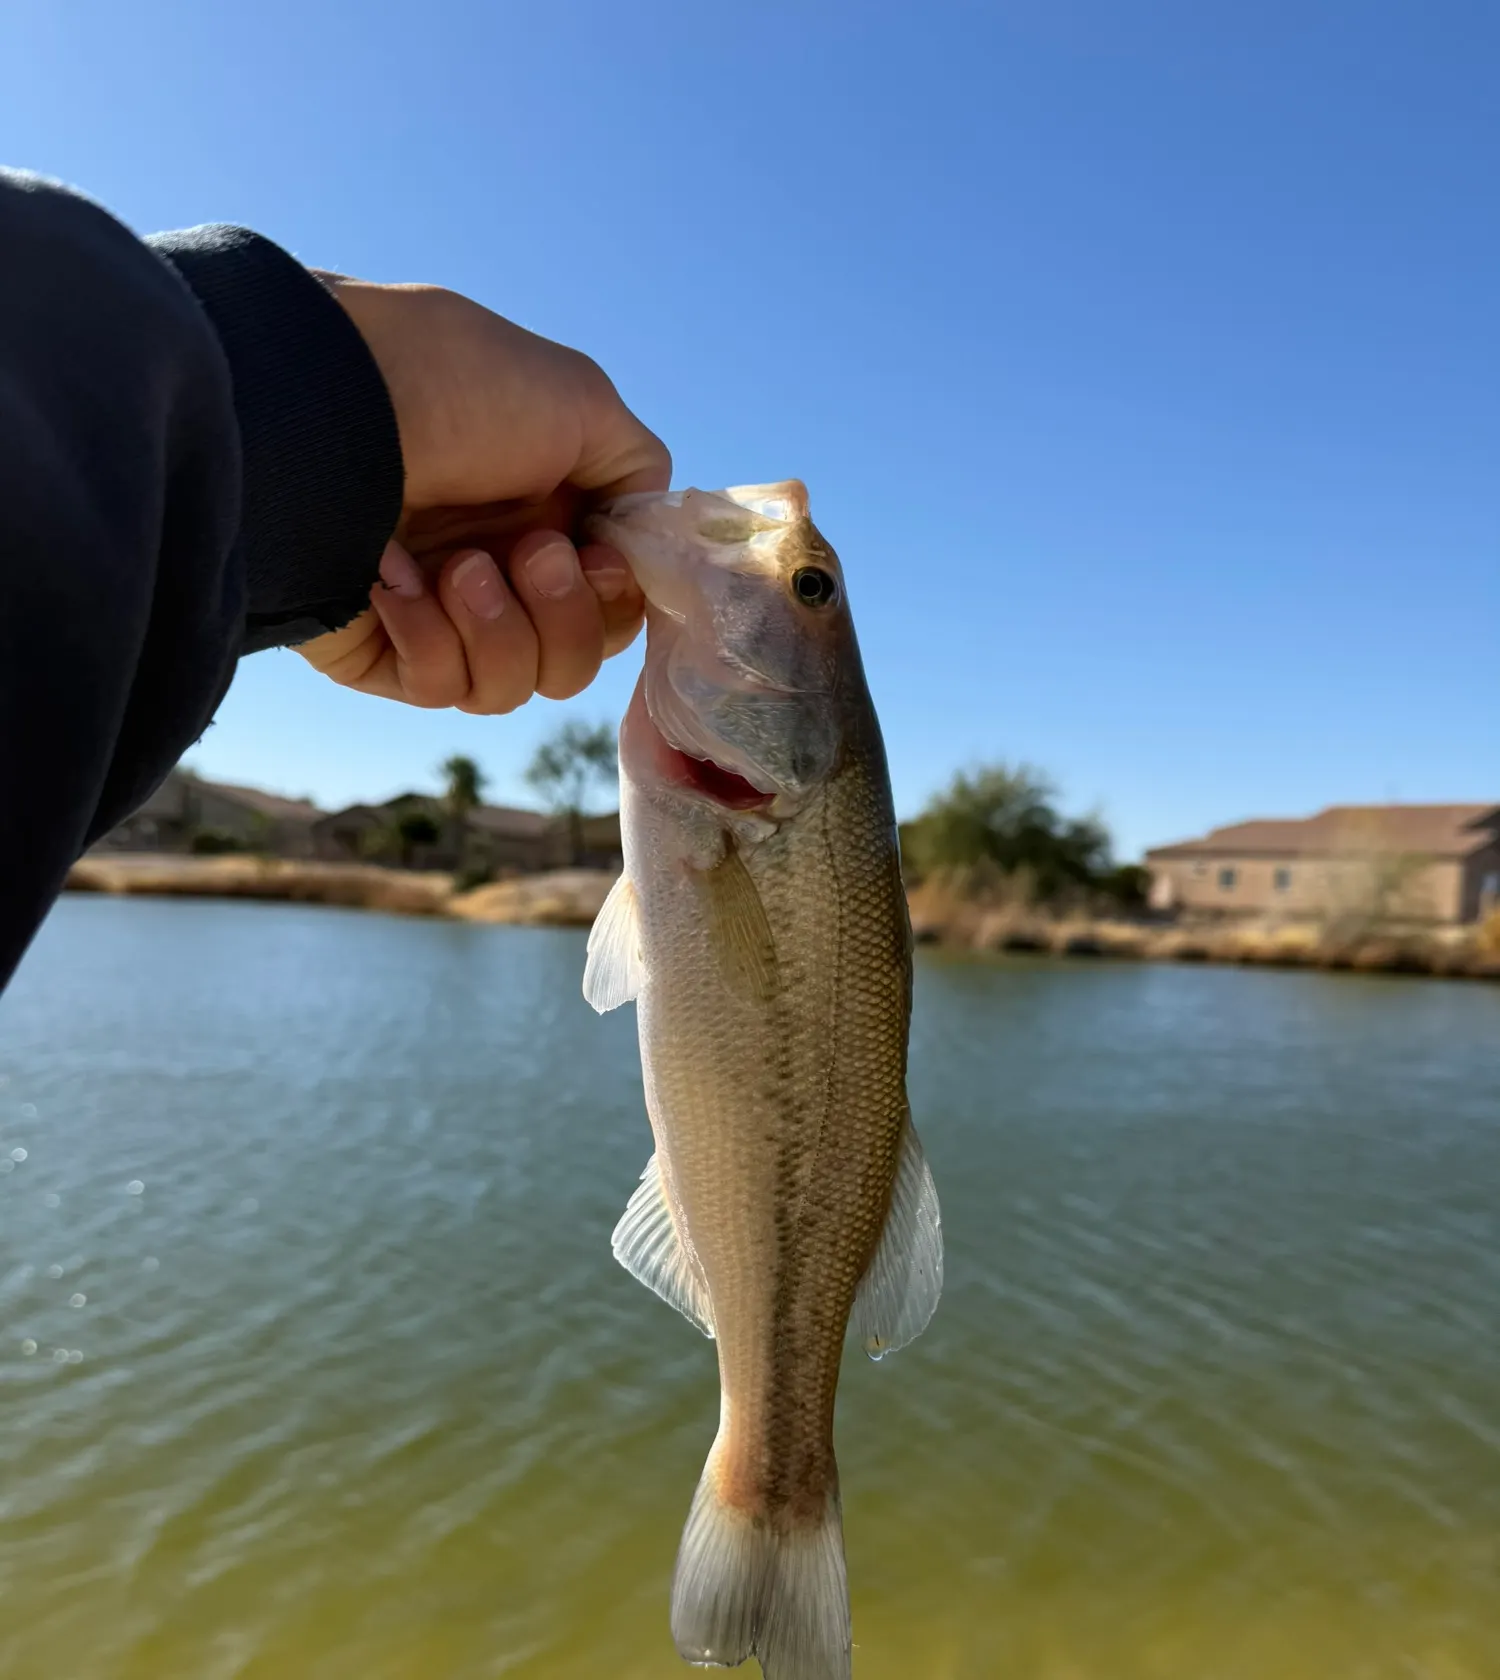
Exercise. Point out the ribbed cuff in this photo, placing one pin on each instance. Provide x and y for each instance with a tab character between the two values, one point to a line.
322	472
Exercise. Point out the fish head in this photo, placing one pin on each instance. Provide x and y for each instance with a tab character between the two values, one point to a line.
748	638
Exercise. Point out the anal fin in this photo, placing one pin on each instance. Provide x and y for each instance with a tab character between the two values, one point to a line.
647	1244
899	1292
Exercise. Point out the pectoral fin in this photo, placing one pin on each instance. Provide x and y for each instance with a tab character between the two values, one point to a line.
614	970
738	929
647	1244
899	1292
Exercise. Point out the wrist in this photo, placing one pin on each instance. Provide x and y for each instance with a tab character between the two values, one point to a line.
320	461
398	324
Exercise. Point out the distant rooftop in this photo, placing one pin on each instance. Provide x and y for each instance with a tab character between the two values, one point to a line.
269	804
513	821
1340	830
510	819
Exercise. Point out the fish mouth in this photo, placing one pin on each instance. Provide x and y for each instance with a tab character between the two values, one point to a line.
694	772
724	787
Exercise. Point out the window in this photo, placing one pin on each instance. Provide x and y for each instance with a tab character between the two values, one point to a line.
1282	880
1227	877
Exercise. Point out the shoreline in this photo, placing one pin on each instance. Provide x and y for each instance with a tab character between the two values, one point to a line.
572	898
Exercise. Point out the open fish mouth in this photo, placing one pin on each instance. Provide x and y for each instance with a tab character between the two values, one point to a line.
687	753
707	778
724	787
694	771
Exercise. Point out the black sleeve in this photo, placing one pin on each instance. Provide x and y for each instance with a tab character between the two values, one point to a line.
198	459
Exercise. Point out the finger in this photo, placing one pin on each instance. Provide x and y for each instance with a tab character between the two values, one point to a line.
547	578
621	603
500	644
426	655
349	655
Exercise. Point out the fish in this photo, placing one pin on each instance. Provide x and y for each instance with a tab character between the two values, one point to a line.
761	927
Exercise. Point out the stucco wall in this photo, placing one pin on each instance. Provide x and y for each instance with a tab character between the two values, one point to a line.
1307	886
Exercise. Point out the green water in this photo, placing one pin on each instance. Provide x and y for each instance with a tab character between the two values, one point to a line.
1213	1394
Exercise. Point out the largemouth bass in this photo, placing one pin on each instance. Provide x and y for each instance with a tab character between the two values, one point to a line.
761	927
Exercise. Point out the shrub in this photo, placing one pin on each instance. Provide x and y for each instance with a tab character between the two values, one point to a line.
214	842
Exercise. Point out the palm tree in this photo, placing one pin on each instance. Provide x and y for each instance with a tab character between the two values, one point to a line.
567	765
463	789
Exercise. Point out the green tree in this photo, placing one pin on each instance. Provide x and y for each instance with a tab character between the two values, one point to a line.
567	765
1005	819
463	790
1127	886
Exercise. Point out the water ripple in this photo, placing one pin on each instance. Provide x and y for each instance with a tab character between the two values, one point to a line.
1211	1396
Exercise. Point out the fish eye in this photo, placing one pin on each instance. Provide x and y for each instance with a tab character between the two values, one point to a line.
814	587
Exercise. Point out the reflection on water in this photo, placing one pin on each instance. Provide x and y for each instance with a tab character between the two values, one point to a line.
306	1216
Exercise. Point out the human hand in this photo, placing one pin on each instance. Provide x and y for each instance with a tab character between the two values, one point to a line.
508	440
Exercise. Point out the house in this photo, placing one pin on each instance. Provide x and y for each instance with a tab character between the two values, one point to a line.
369	833
187	813
509	841
1431	863
599	842
500	839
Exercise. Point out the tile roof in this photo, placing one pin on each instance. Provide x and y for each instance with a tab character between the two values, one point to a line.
510	820
268	804
1431	830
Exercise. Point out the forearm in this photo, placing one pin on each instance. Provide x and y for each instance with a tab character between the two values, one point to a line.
197	459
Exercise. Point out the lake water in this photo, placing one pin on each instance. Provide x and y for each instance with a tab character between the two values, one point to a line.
307	1216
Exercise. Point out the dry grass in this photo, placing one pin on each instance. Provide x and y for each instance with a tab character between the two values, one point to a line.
965	914
945	913
356	886
565	897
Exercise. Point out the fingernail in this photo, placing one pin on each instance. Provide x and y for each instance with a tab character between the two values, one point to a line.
553	570
399	572
476	581
609	583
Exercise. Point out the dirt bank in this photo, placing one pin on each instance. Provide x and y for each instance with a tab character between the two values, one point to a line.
564	898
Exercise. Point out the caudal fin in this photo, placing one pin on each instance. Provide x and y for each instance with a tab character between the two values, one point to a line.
746	1587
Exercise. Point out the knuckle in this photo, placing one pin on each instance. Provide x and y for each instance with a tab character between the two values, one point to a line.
434	690
564	682
493	705
500	689
590	375
503	684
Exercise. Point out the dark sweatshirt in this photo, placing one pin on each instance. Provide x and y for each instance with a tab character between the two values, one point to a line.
198	459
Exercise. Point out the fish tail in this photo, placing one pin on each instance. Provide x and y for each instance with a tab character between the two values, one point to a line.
747	1585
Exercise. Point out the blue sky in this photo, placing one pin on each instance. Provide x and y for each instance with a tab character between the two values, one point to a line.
1142	356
